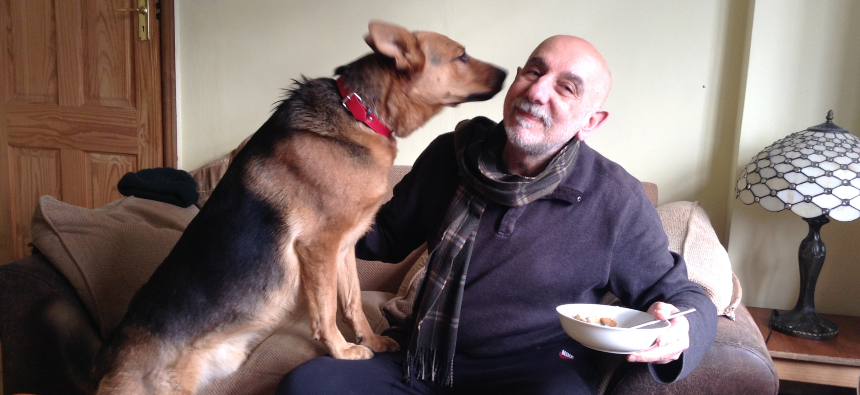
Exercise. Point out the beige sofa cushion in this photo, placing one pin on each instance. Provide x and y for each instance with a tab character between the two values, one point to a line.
399	308
108	253
208	175
691	235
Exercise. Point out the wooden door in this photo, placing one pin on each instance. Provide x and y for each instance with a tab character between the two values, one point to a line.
80	105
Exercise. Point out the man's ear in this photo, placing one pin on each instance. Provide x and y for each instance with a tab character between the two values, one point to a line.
396	42
594	122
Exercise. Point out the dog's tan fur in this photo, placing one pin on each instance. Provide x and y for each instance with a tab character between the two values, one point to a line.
324	180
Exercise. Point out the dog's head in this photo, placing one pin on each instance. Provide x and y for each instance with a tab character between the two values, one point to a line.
437	70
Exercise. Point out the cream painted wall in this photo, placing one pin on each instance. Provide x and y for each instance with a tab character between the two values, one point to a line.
670	72
673	64
681	114
804	60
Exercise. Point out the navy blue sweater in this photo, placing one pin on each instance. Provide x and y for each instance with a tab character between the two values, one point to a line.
596	233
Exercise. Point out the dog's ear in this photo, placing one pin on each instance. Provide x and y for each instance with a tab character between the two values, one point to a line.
398	43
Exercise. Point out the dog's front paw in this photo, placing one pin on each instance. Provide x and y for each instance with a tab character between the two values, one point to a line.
351	351
380	343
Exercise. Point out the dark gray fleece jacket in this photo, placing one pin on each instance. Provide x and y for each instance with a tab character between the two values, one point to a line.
596	233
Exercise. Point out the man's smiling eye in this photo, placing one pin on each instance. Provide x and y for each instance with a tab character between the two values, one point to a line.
463	58
531	74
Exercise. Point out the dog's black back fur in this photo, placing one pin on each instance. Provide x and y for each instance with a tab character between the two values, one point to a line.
226	257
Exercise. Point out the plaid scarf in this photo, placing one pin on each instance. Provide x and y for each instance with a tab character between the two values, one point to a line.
478	144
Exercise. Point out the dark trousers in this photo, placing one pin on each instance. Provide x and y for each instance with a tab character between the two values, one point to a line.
536	372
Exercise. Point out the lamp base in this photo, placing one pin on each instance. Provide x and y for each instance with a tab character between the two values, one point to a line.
804	324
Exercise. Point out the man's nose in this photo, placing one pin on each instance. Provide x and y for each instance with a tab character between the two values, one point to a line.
539	90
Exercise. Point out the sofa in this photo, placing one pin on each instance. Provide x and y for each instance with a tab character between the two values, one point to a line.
93	260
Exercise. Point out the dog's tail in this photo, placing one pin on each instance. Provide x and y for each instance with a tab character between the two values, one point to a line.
78	341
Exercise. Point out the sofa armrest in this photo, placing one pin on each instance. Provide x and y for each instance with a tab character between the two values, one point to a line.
738	363
32	362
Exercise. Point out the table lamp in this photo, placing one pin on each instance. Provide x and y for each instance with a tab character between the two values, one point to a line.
813	173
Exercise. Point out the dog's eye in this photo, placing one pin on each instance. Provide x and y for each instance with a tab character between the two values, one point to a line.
463	58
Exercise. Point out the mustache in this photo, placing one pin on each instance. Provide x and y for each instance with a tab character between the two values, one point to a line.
534	110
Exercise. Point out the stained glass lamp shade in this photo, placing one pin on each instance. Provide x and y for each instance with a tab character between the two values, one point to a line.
815	173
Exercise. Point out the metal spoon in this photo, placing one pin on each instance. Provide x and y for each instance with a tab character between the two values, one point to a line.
678	314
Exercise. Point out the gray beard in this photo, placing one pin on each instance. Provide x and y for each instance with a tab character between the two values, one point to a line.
568	129
542	147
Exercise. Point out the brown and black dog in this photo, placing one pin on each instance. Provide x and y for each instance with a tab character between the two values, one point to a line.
282	223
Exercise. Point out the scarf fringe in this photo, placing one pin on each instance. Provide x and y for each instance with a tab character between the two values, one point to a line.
423	364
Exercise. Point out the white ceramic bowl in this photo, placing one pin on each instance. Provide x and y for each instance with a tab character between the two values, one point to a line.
616	340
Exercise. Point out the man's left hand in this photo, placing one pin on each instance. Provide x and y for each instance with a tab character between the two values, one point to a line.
671	343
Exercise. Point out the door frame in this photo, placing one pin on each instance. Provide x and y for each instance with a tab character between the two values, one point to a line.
168	82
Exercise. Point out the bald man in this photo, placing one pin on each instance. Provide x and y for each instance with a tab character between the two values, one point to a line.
520	217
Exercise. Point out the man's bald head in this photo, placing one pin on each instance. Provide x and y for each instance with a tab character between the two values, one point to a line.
556	96
590	64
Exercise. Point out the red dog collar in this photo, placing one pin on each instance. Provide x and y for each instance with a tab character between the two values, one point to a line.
352	101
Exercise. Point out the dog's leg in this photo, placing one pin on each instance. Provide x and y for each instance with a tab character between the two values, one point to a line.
349	295
121	383
131	366
184	375
319	261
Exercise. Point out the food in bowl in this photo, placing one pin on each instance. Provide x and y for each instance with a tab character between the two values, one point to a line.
605	321
617	339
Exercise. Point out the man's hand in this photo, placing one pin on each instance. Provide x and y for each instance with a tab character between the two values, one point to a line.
671	343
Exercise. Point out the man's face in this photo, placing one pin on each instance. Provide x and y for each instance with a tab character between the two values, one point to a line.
554	95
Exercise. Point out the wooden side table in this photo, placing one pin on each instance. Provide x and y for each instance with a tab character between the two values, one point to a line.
833	362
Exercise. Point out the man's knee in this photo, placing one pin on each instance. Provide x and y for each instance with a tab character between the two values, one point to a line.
326	375
313	377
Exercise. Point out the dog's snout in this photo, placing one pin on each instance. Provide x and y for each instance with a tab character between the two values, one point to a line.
481	96
497	81
495	77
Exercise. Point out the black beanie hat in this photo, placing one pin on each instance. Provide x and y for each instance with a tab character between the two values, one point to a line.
164	184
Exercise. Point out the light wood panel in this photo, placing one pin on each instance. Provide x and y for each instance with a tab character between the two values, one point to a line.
37	171
168	85
32	51
70	48
817	373
105	172
832	362
108	63
81	96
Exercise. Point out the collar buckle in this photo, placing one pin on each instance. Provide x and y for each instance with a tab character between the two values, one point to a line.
349	97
